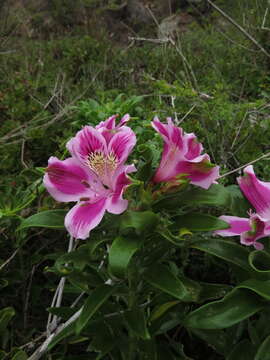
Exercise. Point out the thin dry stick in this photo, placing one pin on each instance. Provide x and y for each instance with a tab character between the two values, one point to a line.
185	63
22	155
44	346
264	20
189	111
239	27
243	166
9	259
239	129
57	299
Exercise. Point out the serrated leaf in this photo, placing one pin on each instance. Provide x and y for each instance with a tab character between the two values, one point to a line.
53	219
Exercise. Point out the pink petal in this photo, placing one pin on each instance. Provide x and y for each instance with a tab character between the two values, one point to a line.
84	217
237	226
160	128
200	171
121	144
115	203
194	148
256	191
259	229
124	119
66	180
87	141
108	124
167	169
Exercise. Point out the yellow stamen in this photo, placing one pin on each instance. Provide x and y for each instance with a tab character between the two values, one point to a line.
101	164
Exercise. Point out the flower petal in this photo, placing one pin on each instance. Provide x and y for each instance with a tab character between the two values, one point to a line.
124	119
84	217
87	141
237	226
160	128
66	180
108	124
167	169
256	191
259	229
121	144
194	148
115	203
199	170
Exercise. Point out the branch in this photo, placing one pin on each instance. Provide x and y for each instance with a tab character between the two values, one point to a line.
239	27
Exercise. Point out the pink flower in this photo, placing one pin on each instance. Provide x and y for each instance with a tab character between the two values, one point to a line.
250	230
258	225
257	192
182	157
94	176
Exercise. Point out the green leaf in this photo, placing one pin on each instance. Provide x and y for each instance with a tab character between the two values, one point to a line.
163	279
260	261
162	309
243	351
6	315
53	219
263	352
103	340
135	319
235	307
213	291
216	195
120	254
200	222
216	338
239	205
20	355
262	288
141	221
145	171
92	304
226	250
67	331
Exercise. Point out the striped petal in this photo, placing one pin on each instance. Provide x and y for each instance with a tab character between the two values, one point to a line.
87	141
257	192
67	180
84	217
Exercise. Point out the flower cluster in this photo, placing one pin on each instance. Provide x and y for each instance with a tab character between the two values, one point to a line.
96	176
257	226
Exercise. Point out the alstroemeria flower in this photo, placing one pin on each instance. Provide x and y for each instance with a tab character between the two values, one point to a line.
258	225
250	230
257	192
95	175
182	157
